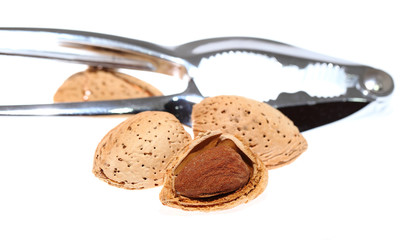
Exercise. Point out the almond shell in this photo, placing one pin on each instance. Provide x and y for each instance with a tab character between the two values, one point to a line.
269	133
135	154
255	186
102	84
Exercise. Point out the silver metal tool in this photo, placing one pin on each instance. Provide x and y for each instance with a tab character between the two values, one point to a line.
363	84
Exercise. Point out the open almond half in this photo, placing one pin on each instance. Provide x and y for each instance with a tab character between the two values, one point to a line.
215	171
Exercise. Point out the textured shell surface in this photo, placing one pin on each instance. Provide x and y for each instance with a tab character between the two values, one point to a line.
93	85
135	154
269	133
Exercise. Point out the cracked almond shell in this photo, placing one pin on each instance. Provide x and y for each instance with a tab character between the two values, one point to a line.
102	84
254	187
135	154
268	132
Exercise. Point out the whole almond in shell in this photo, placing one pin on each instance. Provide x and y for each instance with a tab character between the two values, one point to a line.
205	177
135	154
102	84
268	132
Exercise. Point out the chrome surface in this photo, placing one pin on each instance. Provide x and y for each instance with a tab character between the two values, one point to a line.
180	105
361	83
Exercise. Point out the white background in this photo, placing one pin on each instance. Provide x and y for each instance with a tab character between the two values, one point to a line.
349	184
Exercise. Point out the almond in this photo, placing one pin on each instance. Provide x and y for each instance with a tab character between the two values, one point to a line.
103	84
135	154
224	169
268	132
218	170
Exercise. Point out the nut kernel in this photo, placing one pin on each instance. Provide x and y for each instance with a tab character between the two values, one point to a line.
257	180
218	170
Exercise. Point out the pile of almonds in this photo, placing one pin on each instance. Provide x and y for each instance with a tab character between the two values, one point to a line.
237	140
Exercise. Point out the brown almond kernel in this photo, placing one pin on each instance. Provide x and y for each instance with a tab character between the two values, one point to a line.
215	171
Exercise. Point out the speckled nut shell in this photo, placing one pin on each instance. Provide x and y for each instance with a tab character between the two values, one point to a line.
269	133
255	186
135	154
102	84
